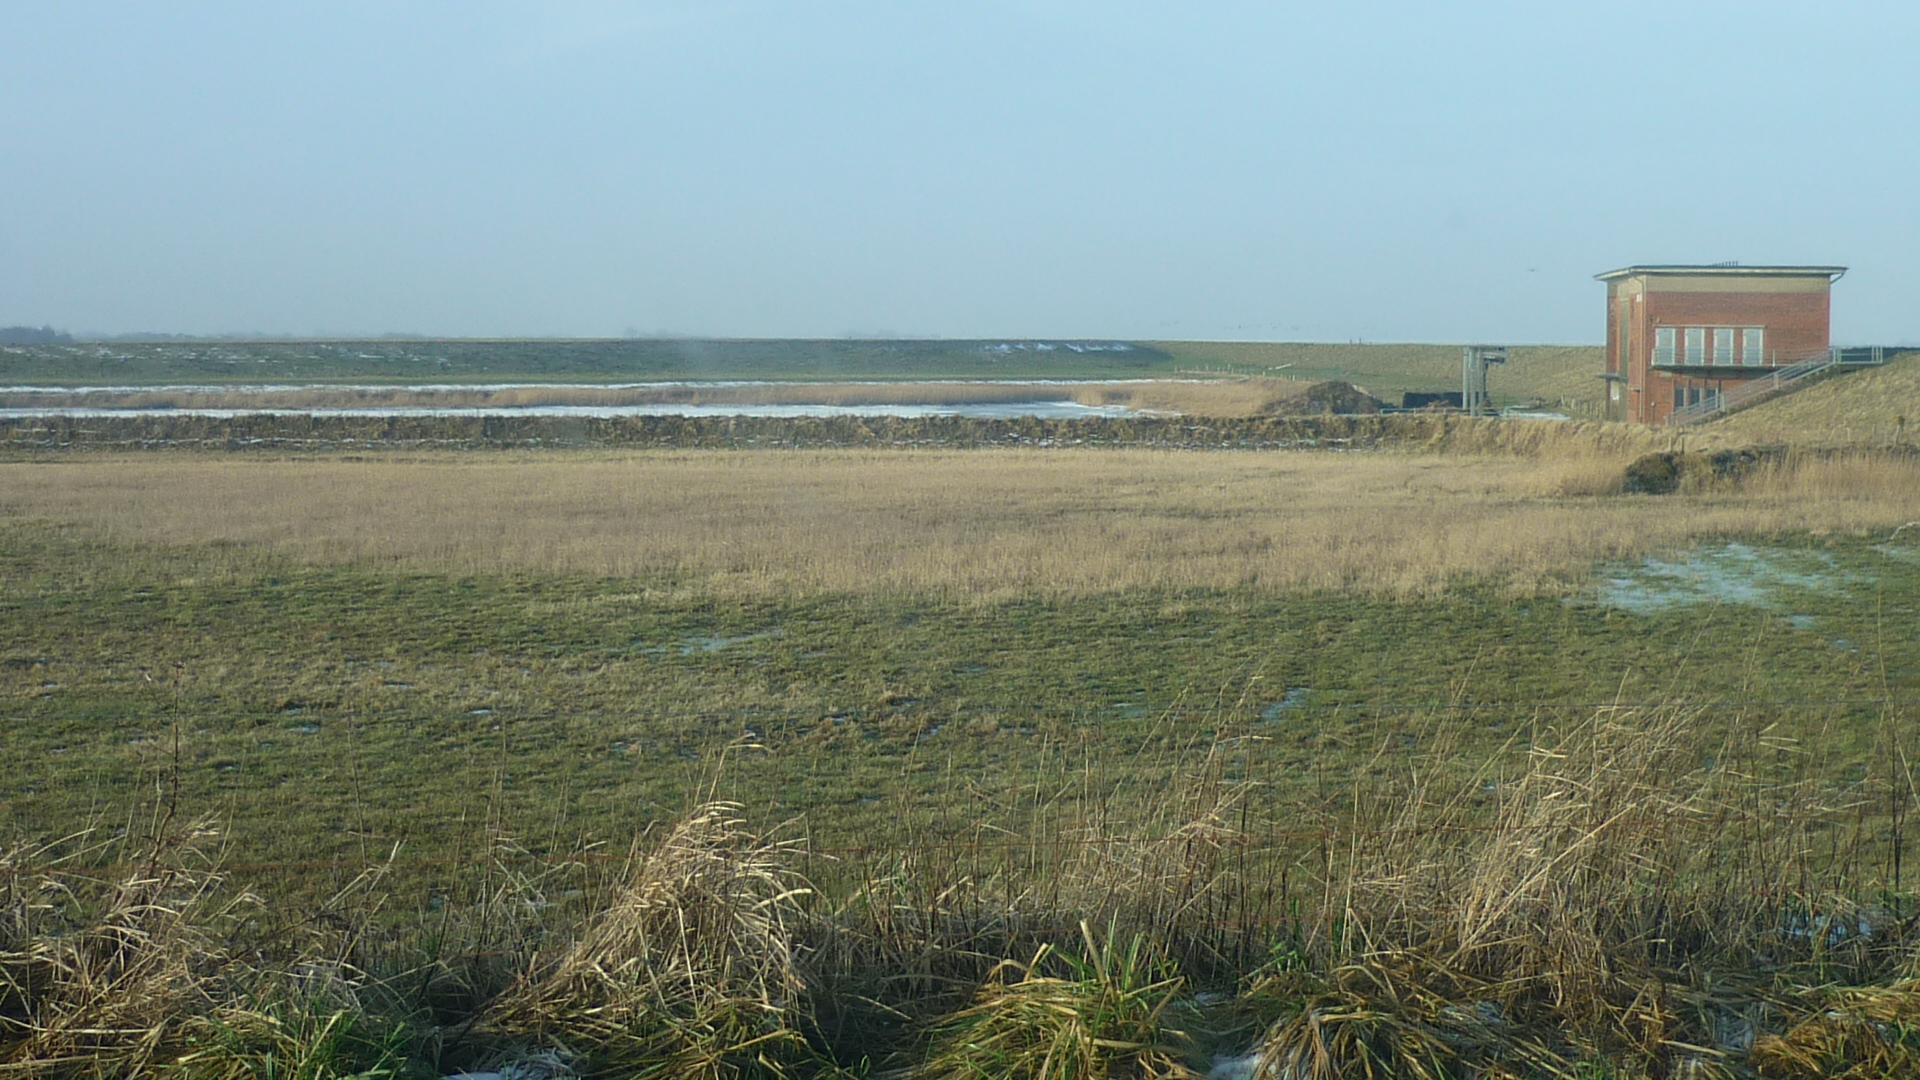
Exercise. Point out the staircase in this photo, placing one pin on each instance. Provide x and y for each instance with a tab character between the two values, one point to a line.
1776	380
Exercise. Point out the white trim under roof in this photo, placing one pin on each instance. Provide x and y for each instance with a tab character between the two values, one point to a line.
1831	273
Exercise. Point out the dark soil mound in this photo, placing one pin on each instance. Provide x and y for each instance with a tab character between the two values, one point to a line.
1341	399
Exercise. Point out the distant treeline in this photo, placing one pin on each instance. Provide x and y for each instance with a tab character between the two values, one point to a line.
347	433
33	335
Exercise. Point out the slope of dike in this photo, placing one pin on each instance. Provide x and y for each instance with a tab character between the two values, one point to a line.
1871	407
306	433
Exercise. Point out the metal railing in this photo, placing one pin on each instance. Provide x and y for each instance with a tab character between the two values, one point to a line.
1775	380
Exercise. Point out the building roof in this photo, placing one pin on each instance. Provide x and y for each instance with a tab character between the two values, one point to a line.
1729	269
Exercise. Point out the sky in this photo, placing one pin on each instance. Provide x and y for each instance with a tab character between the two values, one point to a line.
1366	170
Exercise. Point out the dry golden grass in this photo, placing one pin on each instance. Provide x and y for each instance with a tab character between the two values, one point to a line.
976	523
1875	407
689	973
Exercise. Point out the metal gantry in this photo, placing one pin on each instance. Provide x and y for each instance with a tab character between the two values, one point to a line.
1474	361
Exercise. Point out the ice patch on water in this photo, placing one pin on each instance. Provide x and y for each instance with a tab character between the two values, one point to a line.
716	643
1730	574
1295	697
1234	1068
1904	554
996	410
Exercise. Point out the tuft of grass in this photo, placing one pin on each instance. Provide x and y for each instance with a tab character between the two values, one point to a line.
1596	911
690	972
294	1033
97	977
1066	1016
1847	1033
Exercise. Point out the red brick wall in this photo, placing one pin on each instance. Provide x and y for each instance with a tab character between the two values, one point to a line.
1796	322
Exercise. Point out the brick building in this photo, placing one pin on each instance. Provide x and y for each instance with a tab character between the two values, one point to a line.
1678	334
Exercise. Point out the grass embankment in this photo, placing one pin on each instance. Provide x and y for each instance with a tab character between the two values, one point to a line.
123	363
1211	397
1565	377
1254	729
1438	433
1870	407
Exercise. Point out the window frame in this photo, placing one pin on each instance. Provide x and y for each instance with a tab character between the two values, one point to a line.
1724	340
1696	346
1753	346
1663	345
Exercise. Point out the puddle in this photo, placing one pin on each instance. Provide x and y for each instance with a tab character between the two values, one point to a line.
1295	697
689	646
1730	574
306	729
1800	622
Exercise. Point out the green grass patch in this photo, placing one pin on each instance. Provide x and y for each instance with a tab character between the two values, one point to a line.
332	713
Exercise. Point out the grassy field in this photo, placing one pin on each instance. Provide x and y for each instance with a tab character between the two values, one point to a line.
1316	732
970	526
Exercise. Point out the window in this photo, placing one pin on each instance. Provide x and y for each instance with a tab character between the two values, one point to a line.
1696	345
1753	351
1663	345
1723	345
1679	396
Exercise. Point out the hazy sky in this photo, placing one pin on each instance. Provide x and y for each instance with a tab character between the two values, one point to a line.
1413	171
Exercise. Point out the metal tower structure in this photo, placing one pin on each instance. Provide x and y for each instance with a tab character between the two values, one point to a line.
1474	361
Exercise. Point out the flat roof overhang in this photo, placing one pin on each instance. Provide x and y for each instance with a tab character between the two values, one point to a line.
1831	273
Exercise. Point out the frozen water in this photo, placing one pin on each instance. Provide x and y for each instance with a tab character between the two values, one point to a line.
1234	1068
717	642
1733	573
999	410
1294	698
